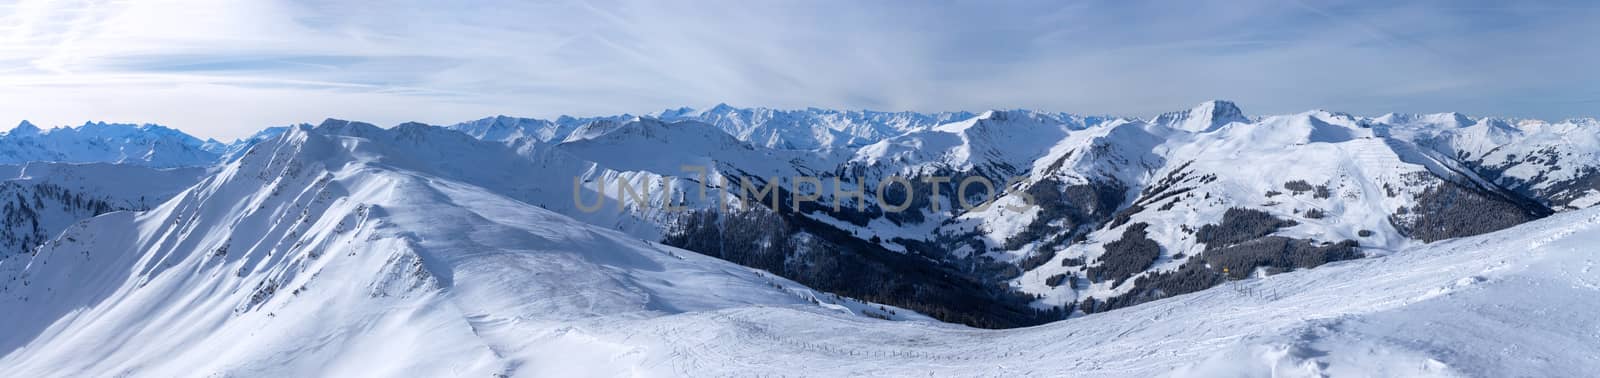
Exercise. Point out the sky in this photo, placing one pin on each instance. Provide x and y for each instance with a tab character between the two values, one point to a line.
226	68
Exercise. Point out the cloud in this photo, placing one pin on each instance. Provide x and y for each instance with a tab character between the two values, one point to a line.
225	68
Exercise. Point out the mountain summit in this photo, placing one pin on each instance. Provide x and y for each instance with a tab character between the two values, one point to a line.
1207	116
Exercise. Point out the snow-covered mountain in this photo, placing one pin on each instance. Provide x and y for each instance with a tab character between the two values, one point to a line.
813	128
1122	210
39	200
314	255
1085	207
994	143
122	185
55	177
232	151
807	129
506	129
1553	162
1207	116
1283	193
615	239
322	236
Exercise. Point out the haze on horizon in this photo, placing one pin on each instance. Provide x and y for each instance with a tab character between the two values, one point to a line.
226	68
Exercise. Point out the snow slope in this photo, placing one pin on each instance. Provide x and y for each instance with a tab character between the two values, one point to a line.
39	200
126	186
1515	303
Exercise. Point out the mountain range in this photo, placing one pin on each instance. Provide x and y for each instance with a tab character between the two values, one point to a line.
1306	243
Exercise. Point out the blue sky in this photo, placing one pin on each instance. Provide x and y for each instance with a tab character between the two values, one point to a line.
224	68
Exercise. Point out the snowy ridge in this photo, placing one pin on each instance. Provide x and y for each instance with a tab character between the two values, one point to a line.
318	235
996	141
507	129
811	129
637	187
1111	161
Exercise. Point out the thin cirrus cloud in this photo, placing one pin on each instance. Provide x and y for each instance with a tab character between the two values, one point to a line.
224	68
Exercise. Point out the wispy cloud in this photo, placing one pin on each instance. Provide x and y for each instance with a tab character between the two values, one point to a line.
227	67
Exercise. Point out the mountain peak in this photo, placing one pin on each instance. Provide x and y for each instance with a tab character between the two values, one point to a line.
1221	106
680	112
339	126
721	107
24	128
1206	116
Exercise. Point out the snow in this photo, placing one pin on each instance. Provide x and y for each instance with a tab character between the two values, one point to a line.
1505	304
1538	158
1207	116
666	148
507	129
1006	138
1372	166
349	249
811	129
1368	179
129	186
39	200
1355	156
